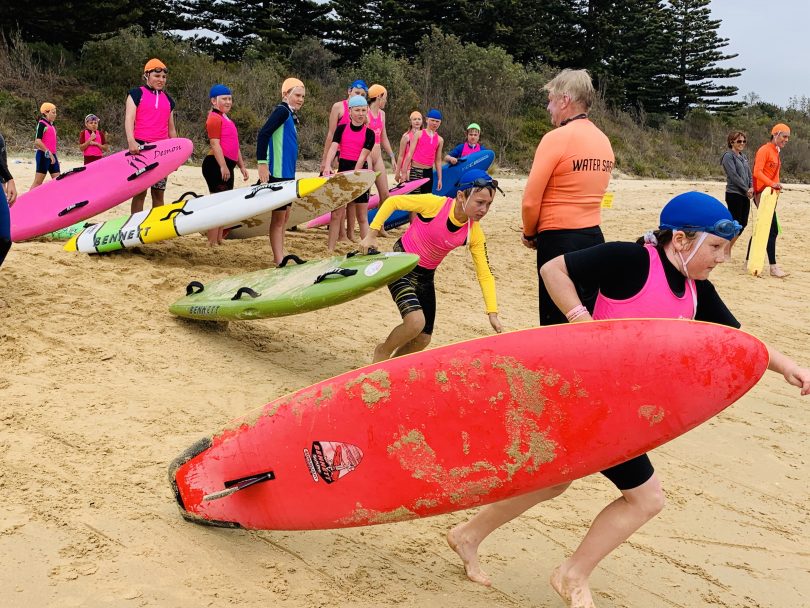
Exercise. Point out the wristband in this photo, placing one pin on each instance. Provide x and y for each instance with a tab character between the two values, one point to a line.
576	313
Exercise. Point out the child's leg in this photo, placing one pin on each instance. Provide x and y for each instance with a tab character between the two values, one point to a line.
278	221
361	213
335	223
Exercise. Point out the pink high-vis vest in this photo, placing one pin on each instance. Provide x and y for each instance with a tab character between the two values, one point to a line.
49	136
94	149
425	153
432	240
344	119
467	150
152	116
376	124
229	138
654	301
351	142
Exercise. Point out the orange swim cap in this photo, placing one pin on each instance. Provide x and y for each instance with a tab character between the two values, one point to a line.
153	64
289	84
46	107
376	90
780	128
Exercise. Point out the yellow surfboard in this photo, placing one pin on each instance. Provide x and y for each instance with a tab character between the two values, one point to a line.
762	228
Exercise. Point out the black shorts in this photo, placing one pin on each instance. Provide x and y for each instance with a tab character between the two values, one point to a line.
740	207
553	243
415	291
46	164
630	474
418	173
213	175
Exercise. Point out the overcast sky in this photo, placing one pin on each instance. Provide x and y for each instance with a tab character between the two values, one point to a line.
772	38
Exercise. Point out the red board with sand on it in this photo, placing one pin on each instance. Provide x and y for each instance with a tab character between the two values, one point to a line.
465	424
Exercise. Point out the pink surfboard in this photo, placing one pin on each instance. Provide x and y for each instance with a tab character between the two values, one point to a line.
89	190
374	201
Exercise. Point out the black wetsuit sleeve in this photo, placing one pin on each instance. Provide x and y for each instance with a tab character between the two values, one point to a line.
369	143
5	174
711	307
617	270
40	130
277	118
136	95
339	133
171	101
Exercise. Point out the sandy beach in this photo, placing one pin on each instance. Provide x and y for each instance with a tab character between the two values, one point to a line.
101	388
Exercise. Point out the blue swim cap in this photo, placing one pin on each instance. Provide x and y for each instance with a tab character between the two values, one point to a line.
434	113
475	178
699	212
219	89
357	101
359	84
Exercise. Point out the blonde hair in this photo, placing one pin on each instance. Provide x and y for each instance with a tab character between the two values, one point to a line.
577	84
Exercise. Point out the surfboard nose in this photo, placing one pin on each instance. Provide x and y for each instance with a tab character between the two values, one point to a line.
308	185
71	244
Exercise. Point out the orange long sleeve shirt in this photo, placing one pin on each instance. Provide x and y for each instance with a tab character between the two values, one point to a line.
569	176
767	163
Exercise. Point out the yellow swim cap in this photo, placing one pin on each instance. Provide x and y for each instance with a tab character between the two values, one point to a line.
376	90
289	84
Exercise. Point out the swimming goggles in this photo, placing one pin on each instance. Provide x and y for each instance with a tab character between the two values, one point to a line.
726	229
481	182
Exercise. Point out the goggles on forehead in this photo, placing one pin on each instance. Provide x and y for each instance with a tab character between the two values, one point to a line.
726	229
159	71
481	182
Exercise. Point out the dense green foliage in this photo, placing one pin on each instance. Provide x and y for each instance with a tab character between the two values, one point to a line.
466	81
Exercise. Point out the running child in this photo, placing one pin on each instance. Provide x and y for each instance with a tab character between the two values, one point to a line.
224	154
92	140
469	146
425	155
277	154
664	275
45	143
352	143
441	225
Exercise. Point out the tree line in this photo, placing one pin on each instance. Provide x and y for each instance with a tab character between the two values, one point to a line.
654	57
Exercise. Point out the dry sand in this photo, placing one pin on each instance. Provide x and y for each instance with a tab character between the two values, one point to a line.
101	388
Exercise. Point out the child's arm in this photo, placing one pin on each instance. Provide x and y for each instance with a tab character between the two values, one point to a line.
172	129
437	163
386	144
129	126
330	133
326	168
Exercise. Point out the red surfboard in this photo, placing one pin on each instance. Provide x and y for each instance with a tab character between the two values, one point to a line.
465	424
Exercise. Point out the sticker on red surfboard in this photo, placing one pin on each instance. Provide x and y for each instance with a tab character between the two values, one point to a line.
332	460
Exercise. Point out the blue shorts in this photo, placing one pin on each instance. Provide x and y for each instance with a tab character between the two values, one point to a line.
47	164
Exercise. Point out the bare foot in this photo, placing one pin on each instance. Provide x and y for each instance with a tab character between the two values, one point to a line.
575	593
381	353
778	272
383	234
352	238
468	552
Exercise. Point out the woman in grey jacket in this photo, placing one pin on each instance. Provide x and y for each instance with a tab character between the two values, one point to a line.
739	185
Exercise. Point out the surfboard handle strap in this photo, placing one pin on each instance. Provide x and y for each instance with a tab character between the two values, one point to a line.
343	272
371	251
256	189
194	287
291	257
142	148
72	207
185	196
141	171
235	485
71	172
174	212
245	290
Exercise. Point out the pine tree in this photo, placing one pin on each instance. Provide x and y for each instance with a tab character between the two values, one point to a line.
696	53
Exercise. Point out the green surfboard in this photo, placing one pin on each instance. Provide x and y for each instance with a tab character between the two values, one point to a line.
292	289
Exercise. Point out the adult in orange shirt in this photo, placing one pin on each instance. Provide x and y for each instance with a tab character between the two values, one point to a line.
767	163
569	176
